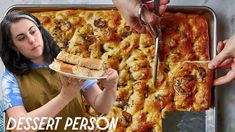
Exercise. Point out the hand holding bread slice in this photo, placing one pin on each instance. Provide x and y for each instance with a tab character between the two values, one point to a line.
74	65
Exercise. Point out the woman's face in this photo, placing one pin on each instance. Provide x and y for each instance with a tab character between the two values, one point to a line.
27	39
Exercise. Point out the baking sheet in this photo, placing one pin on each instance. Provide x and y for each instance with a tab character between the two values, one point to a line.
207	119
191	122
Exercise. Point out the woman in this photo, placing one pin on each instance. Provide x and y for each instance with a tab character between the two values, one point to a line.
30	88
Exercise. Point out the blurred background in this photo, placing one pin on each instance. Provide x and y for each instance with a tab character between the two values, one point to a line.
225	12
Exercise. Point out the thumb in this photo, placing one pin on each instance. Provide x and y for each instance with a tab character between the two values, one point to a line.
217	60
225	79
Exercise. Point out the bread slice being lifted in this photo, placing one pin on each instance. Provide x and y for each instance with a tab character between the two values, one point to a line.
74	64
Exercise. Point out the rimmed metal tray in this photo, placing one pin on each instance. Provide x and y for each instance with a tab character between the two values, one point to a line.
210	116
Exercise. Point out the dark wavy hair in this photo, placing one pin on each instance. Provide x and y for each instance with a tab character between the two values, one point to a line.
13	61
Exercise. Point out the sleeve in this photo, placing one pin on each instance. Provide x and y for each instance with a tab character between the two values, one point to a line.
89	83
11	95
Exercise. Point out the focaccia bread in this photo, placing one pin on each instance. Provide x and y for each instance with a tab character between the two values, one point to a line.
184	86
81	71
192	83
77	66
82	62
105	35
185	38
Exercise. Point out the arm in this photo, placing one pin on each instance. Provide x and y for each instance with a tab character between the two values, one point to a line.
102	101
129	10
225	59
69	90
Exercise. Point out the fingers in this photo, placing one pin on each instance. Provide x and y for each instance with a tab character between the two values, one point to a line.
150	2
164	2
226	63
162	8
217	60
112	79
224	50
139	27
225	41
147	17
130	10
150	16
225	79
142	18
220	46
109	72
111	75
69	81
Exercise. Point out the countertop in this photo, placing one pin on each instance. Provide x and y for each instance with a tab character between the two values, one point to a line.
225	11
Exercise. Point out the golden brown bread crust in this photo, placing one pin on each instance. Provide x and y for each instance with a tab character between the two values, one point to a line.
77	60
192	82
69	58
61	66
105	35
91	63
76	69
185	38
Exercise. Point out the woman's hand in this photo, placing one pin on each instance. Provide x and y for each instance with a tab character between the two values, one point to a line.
70	86
129	10
225	60
102	100
112	79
